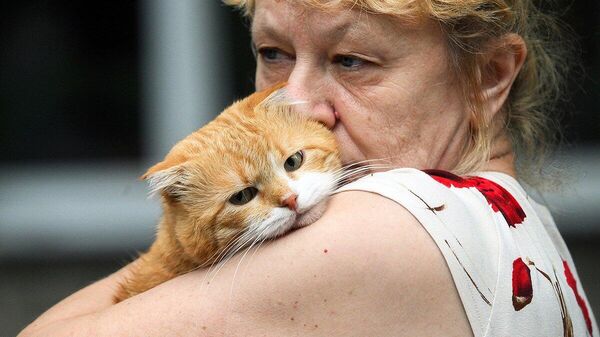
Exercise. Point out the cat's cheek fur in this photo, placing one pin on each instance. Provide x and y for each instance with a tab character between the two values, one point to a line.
312	188
311	215
279	221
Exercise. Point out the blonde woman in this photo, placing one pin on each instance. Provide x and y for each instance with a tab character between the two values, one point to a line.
451	93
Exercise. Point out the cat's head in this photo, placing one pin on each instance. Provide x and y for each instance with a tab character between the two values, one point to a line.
255	172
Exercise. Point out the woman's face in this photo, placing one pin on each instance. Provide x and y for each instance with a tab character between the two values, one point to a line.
384	87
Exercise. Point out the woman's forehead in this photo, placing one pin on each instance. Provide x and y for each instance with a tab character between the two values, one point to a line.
409	8
273	15
280	19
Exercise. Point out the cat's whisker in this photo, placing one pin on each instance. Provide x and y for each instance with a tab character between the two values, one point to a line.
234	248
360	170
256	248
216	256
365	162
368	160
212	261
264	238
231	245
258	237
384	159
355	174
240	244
229	252
351	167
368	166
347	177
362	162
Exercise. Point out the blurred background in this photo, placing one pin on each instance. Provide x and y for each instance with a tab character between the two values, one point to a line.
92	93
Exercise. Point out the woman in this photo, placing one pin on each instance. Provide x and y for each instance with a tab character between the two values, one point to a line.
447	85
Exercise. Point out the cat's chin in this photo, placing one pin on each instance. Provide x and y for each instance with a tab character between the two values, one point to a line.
311	215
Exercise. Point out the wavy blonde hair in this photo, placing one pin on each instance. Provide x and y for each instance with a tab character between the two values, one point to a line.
471	27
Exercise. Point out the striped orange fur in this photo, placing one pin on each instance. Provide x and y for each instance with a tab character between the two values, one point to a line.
247	146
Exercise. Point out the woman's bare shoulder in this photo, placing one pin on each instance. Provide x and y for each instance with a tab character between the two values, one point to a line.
366	267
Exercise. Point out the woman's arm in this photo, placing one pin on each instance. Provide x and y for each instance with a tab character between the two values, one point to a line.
366	267
89	300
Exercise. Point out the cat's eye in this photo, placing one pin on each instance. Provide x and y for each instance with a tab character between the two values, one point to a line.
294	161
244	196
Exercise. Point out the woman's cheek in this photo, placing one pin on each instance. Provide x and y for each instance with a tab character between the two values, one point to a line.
356	80
267	76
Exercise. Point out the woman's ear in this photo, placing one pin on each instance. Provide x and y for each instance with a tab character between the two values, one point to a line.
501	68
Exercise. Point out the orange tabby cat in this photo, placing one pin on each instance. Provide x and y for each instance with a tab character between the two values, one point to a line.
255	172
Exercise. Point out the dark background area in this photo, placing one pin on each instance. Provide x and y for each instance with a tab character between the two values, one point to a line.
68	77
70	91
582	108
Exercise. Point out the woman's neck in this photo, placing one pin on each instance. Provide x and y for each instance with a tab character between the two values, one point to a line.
502	158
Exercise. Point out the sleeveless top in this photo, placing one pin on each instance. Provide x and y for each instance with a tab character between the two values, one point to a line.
510	265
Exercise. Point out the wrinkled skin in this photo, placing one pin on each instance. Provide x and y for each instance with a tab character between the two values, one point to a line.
384	88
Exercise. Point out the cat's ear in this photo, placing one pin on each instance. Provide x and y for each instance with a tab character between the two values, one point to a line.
279	98
259	97
167	178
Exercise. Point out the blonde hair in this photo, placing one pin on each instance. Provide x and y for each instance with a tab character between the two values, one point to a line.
471	27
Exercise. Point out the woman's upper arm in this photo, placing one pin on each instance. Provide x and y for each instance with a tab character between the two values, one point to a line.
365	268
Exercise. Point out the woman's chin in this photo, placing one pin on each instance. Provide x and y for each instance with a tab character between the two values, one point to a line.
311	215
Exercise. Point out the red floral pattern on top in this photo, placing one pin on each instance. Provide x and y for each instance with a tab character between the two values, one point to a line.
521	285
582	305
497	196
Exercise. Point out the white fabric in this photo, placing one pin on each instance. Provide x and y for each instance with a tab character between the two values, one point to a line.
480	247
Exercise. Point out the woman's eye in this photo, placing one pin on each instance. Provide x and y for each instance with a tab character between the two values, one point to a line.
271	54
244	196
348	61
294	161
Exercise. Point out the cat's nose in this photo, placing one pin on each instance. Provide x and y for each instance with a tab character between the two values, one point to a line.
290	202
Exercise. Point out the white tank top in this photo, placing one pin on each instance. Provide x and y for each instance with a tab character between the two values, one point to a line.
513	271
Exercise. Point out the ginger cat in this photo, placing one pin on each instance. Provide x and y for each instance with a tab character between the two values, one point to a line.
256	172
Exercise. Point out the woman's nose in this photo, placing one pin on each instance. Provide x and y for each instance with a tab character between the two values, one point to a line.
311	88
